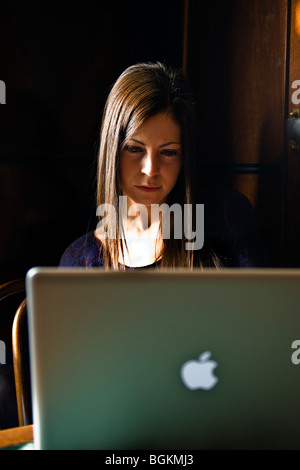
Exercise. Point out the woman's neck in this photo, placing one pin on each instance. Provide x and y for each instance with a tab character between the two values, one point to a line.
141	246
141	237
141	243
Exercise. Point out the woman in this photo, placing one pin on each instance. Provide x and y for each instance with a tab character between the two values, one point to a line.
148	150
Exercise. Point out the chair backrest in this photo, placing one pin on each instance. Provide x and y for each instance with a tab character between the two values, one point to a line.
20	371
17	286
12	287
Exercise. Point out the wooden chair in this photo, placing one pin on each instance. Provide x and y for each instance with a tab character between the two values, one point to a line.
12	287
22	379
18	332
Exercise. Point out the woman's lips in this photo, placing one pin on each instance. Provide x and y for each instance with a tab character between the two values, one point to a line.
149	189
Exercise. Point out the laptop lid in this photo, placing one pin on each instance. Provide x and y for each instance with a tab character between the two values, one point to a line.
165	359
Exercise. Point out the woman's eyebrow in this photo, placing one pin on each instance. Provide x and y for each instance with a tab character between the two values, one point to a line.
163	145
138	141
170	143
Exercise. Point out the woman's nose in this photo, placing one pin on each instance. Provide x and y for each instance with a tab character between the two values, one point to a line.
150	164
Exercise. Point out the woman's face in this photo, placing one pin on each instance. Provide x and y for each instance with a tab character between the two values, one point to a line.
150	161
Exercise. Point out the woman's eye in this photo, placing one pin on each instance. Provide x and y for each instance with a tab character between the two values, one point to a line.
169	153
133	149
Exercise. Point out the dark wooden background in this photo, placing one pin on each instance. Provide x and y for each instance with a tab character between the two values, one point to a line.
58	61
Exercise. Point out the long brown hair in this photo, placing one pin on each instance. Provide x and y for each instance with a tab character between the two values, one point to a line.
144	90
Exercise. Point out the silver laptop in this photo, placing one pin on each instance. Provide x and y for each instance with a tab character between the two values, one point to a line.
165	360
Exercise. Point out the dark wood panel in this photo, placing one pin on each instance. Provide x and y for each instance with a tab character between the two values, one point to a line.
237	64
258	69
292	188
208	68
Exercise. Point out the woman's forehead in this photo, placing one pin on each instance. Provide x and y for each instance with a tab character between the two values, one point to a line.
161	126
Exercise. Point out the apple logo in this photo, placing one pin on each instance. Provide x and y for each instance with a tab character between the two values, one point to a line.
198	374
